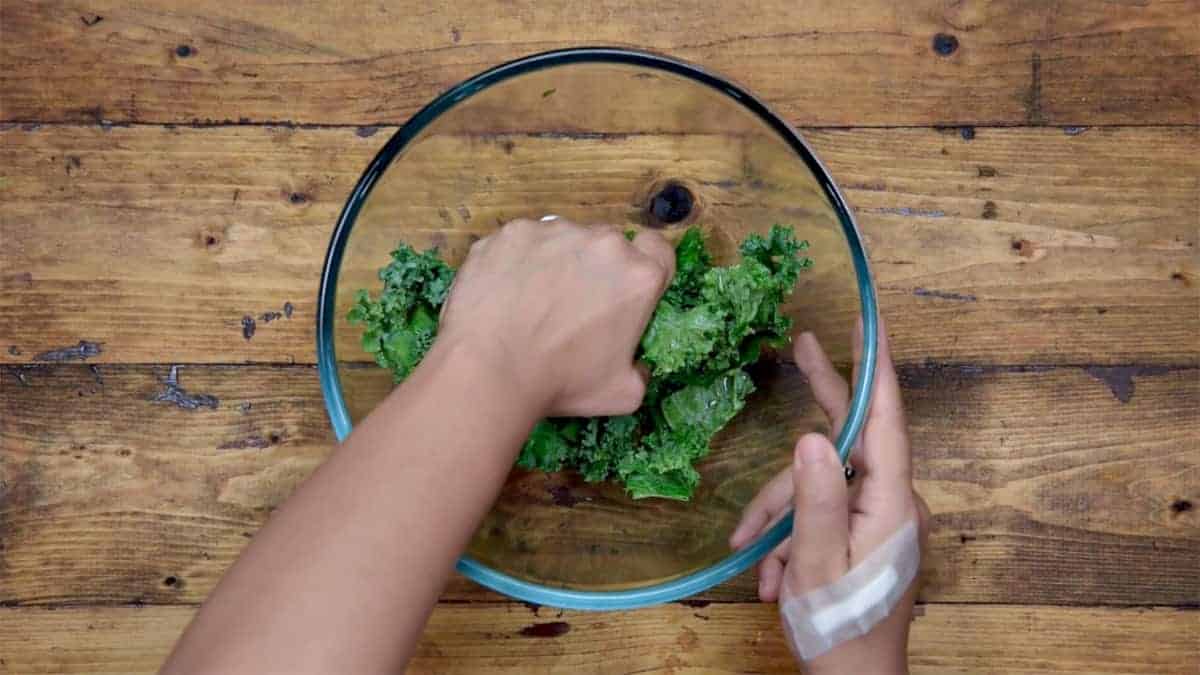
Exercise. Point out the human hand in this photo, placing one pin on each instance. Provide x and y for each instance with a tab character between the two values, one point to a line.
835	526
559	308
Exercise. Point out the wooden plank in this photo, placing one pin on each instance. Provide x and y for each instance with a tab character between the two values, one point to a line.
1005	62
1015	246
734	638
1076	485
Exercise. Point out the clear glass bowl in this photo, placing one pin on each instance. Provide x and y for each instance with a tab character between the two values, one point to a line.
638	140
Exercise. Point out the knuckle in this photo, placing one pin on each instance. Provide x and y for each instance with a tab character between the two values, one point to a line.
609	241
647	273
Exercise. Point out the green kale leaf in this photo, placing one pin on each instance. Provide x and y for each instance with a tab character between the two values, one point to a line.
710	324
401	324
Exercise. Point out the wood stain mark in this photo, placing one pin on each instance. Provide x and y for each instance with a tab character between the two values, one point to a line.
178	396
1120	379
1023	247
549	629
936	374
256	442
561	495
906	211
943	295
688	640
82	351
19	279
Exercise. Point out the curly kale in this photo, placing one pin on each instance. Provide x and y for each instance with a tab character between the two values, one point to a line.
401	324
710	324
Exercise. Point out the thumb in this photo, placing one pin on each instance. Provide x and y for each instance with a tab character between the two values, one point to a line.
821	523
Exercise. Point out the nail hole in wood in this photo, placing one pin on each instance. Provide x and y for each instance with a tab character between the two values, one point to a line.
945	44
670	205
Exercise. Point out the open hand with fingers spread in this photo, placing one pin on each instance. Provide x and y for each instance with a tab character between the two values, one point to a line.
836	526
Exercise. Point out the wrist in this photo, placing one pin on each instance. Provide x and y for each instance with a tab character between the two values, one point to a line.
859	656
492	370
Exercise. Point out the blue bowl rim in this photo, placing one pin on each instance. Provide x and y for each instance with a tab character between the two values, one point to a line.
738	561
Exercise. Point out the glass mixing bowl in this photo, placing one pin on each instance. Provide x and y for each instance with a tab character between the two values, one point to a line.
637	140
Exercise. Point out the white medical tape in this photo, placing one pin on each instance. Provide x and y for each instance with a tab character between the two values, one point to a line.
548	217
818	620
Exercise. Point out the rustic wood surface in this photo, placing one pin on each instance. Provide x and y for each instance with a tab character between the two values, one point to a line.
1044	483
820	63
1016	246
1027	175
713	638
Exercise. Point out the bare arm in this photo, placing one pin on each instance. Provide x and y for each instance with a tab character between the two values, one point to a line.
543	320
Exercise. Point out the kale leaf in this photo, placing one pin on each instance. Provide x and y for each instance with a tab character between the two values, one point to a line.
402	322
710	324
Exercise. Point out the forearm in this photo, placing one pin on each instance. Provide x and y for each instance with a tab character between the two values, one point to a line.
344	574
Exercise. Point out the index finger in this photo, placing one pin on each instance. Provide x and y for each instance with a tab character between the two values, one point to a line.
884	456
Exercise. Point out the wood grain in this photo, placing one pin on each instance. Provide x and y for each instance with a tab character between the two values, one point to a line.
510	638
1016	246
1076	485
170	173
818	63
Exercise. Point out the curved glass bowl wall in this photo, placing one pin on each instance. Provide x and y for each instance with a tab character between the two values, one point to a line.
597	136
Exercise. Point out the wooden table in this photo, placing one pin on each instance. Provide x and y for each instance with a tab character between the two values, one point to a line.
1027	175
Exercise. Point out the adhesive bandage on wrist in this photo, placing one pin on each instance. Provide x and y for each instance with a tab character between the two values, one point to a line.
818	620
